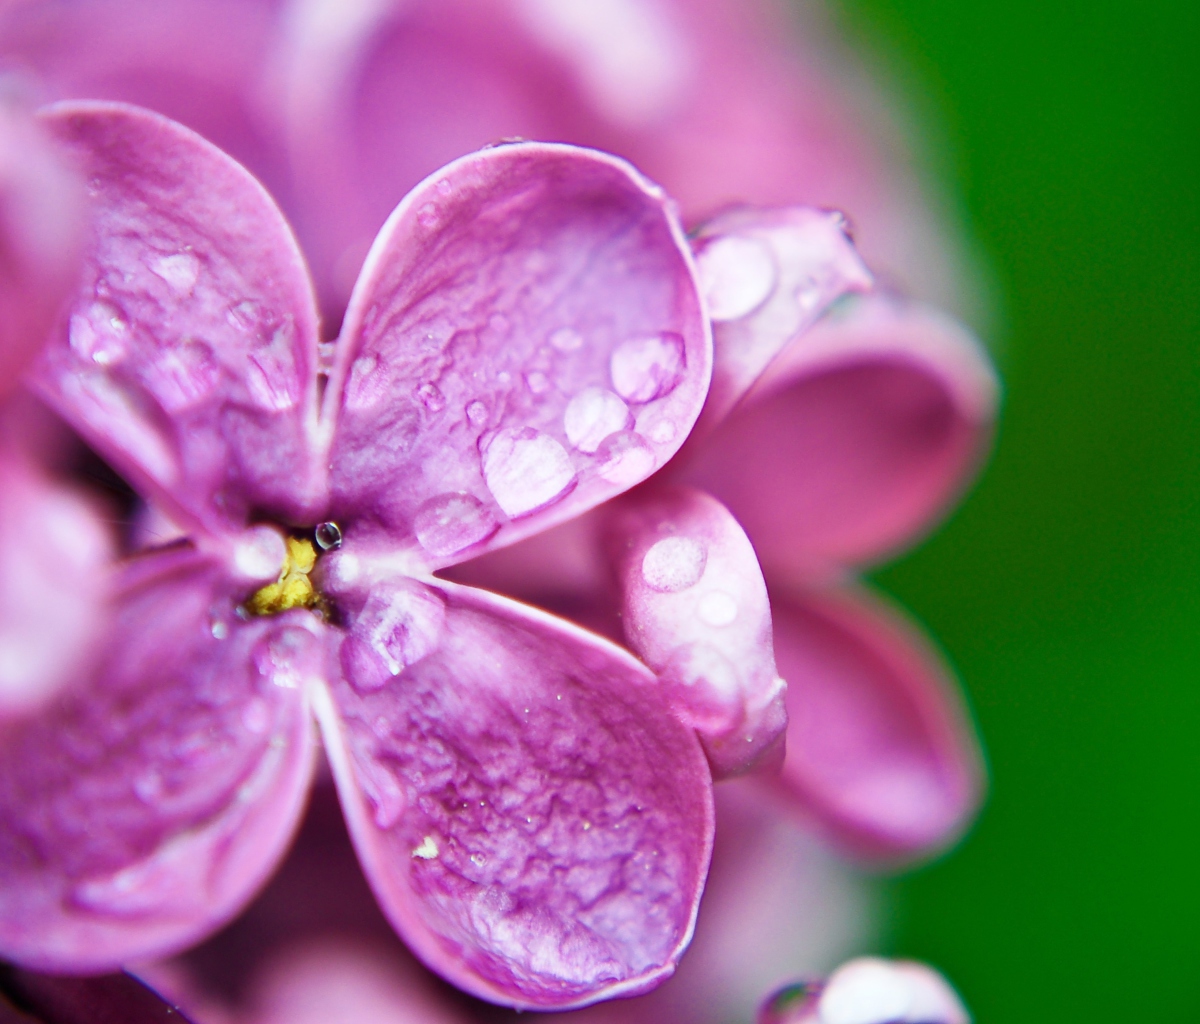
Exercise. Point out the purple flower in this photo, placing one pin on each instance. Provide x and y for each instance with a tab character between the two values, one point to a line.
533	818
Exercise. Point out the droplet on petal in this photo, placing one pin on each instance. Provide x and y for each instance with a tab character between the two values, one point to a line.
450	523
400	624
328	536
625	459
99	335
592	415
526	470
737	274
180	270
717	608
431	397
673	564
644	369
477	413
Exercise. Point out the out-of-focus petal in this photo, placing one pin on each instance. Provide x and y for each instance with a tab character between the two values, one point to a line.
855	440
111	997
534	821
525	341
880	750
695	608
767	275
189	357
41	221
143	810
870	990
54	564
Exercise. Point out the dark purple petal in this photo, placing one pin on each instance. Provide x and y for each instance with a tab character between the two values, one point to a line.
41	221
856	439
525	340
880	749
143	809
696	610
534	821
54	561
110	999
767	276
189	356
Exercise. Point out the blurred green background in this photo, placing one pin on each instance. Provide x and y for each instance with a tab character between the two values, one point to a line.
1067	588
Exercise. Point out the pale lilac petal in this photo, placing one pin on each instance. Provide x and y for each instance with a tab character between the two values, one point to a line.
870	990
509	305
880	749
767	276
856	439
695	608
534	821
41	222
189	356
143	810
54	563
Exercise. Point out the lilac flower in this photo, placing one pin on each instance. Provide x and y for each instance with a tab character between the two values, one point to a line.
533	819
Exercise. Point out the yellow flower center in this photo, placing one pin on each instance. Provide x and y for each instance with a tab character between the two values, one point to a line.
293	588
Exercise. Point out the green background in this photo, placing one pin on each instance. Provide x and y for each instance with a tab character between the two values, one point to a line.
1067	588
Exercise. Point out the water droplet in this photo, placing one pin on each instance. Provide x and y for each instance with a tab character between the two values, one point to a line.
717	608
526	470
644	369
100	334
624	459
328	536
450	523
431	397
256	716
673	564
477	413
427	216
536	381
400	624
478	859
592	415
428	849
737	275
180	270
566	339
220	630
365	385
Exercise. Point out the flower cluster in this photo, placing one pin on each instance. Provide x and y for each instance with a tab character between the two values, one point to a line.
551	527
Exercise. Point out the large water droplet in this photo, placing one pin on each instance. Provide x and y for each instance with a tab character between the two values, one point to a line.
592	415
526	470
184	375
328	536
673	564
431	397
101	334
401	623
644	369
624	459
450	523
717	608
737	274
477	413
180	270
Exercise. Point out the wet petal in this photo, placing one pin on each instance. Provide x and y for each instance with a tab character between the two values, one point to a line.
143	809
880	749
41	221
696	610
189	356
534	821
856	439
767	276
525	341
54	559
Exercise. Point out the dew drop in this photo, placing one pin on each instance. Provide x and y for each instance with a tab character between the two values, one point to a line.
673	564
737	275
624	459
477	413
566	339
644	369
537	382
478	859
100	334
400	624
592	415
526	470
431	397
220	630
328	536
717	608
450	523
180	270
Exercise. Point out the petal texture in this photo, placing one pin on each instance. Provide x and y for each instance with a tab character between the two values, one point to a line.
880	750
535	823
142	810
526	340
189	355
856	438
695	608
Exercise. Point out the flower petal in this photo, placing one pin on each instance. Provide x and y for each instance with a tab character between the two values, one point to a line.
141	811
856	438
41	221
767	276
880	749
696	610
534	821
58	1000
189	359
525	340
54	556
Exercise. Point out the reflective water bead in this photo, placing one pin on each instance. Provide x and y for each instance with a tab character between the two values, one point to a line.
328	536
526	470
449	523
737	274
624	459
673	564
592	415
644	369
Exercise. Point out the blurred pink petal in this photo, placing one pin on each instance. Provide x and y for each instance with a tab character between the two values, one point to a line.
855	440
880	749
695	609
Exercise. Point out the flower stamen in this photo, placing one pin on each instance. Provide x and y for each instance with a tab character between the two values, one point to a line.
293	588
